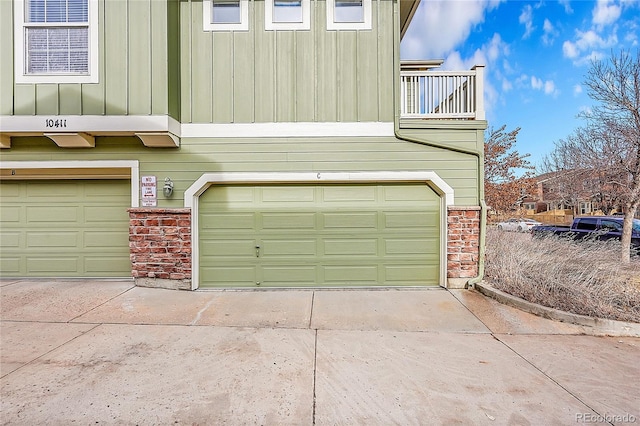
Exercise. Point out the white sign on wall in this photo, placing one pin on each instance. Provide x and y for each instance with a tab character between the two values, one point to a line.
148	187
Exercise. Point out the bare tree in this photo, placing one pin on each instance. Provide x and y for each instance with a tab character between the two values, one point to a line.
504	189
608	146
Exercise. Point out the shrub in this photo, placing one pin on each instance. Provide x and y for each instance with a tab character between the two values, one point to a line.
583	277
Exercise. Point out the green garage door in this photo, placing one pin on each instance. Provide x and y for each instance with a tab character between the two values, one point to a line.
65	228
330	235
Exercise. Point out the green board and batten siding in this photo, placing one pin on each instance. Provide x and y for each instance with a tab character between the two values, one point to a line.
155	59
65	228
134	66
287	76
329	235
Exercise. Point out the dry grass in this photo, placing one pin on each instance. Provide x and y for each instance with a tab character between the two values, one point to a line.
583	277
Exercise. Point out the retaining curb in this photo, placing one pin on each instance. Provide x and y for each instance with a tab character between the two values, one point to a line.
597	326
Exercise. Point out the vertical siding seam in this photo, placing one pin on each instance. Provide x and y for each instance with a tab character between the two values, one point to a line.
190	62
127	66
151	73
295	75
336	52
378	70
213	76
314	40
233	77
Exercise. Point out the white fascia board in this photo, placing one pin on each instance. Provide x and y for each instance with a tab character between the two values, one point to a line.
130	124
287	130
85	123
133	165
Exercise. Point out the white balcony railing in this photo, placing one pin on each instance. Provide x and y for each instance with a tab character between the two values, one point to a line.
429	94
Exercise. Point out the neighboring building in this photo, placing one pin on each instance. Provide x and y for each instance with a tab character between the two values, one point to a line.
295	148
582	191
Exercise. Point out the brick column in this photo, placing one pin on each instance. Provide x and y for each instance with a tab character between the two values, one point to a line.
160	247
463	245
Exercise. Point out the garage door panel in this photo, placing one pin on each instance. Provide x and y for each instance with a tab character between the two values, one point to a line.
409	194
298	195
227	221
51	190
351	194
105	214
287	275
344	247
49	239
9	265
104	240
52	214
230	249
231	275
340	220
411	246
291	221
349	274
410	274
288	248
10	214
410	220
50	266
99	265
9	240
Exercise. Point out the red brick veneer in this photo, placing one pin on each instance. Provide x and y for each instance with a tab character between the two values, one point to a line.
463	230
160	247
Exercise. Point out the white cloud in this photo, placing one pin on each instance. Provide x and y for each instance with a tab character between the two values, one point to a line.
536	83
550	32
606	12
587	46
440	26
526	18
577	89
567	6
548	87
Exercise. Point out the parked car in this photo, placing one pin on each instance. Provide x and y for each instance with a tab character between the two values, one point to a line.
597	227
518	225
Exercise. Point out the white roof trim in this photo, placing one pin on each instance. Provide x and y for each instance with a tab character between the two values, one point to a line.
16	125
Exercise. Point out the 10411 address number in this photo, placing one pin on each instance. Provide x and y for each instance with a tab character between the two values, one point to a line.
51	123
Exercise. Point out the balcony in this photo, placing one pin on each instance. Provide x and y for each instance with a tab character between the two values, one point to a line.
428	94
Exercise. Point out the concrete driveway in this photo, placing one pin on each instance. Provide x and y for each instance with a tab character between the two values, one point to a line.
107	352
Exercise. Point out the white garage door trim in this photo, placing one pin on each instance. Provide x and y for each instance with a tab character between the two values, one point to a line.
133	165
192	194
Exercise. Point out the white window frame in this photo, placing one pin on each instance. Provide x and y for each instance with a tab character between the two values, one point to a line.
21	77
364	25
269	25
208	25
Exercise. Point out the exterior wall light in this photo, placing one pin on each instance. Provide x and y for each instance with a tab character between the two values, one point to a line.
167	189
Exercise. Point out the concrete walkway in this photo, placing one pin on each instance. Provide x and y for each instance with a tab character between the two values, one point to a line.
106	352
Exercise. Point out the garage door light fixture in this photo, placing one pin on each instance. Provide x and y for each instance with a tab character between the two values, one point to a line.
167	189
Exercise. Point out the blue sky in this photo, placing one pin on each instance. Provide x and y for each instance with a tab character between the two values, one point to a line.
536	54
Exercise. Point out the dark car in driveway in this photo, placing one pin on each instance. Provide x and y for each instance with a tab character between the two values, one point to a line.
595	227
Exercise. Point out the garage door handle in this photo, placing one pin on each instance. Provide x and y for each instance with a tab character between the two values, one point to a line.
257	251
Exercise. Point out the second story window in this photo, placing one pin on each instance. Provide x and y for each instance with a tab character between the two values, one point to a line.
225	15
287	14
348	14
56	41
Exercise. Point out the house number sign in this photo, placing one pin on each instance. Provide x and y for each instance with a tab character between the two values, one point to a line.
55	123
